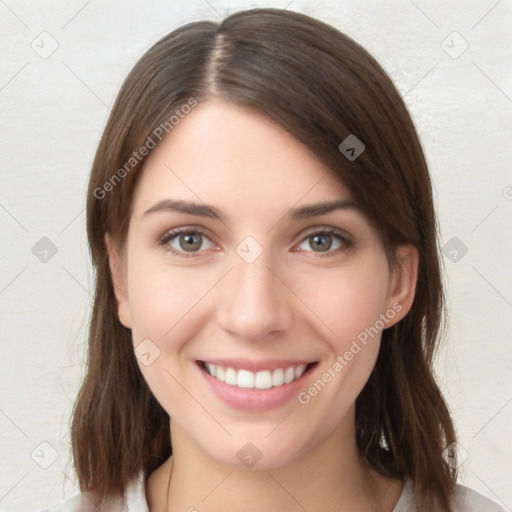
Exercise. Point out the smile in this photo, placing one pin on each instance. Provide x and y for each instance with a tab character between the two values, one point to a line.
247	379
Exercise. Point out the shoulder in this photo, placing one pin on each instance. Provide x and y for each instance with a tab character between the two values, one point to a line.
468	500
133	500
464	500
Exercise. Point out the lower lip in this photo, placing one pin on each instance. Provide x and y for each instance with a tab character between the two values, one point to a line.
254	399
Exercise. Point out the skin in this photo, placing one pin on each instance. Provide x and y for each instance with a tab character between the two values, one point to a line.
293	301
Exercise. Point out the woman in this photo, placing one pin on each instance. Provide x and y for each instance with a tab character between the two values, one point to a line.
268	292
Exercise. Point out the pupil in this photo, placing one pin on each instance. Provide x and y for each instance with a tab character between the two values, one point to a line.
322	242
190	242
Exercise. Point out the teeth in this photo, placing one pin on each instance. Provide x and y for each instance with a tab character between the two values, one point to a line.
278	377
230	377
289	375
300	370
265	379
212	369
245	379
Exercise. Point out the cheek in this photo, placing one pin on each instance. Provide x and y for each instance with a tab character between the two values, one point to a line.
161	297
167	311
347	301
349	305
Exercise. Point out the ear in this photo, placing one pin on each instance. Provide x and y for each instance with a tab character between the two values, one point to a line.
119	282
402	287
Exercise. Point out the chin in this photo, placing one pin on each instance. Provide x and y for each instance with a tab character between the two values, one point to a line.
259	451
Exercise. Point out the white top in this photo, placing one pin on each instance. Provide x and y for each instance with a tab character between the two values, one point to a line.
134	500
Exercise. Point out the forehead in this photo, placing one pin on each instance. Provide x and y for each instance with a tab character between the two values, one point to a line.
239	160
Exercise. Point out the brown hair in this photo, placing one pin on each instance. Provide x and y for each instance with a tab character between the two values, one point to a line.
320	86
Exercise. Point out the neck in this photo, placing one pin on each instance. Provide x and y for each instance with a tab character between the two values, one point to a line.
331	476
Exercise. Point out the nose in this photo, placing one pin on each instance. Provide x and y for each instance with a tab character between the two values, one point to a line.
254	303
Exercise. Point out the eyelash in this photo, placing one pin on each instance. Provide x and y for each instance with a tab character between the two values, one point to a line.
347	243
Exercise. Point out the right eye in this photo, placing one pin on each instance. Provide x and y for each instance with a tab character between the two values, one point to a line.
186	242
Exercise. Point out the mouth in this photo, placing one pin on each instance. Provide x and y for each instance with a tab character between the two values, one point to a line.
263	379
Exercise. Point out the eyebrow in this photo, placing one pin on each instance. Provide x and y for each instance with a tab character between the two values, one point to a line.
312	210
204	210
199	209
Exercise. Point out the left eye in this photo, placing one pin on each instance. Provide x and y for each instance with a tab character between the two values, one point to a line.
322	242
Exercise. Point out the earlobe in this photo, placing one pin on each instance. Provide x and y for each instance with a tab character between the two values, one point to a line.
403	281
124	313
119	282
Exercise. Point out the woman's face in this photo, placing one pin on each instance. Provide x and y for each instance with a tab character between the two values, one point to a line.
246	259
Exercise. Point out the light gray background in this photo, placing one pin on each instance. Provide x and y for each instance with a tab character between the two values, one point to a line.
53	112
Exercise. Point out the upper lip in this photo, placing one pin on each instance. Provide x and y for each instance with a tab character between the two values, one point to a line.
257	366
